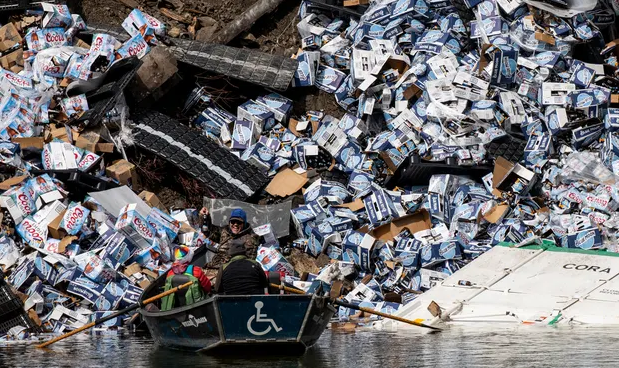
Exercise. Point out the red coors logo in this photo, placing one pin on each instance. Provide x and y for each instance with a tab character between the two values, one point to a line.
574	196
137	49
597	200
142	228
98	43
597	219
52	69
15	79
54	37
32	231
48	159
77	214
25	203
87	160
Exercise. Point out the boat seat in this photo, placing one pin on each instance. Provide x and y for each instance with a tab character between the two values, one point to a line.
179	296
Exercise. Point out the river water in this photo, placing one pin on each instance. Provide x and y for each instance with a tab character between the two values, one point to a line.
523	346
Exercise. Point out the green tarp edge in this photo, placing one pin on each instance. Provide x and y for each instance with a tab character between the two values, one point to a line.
550	246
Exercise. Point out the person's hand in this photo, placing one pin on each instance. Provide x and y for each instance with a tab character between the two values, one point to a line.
204	212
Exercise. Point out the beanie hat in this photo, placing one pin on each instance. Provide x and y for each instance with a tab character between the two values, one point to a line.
183	254
238	214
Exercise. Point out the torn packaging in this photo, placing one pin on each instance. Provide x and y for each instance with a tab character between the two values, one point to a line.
357	248
124	172
118	249
321	236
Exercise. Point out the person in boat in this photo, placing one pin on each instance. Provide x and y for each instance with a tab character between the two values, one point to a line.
241	275
182	266
238	229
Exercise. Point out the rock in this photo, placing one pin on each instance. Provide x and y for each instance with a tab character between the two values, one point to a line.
249	37
174	32
158	66
206	33
206	21
129	3
176	4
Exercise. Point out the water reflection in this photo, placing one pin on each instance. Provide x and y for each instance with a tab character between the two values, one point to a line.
470	347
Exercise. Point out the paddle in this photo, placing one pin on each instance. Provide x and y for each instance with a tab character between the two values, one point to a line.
114	315
363	309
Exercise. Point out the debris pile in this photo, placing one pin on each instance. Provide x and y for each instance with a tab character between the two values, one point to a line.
417	80
68	257
464	127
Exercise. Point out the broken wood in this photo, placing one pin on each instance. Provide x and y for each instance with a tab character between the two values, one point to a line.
172	15
195	11
244	21
192	28
129	3
177	4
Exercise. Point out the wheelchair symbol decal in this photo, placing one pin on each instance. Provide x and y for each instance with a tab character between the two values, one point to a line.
258	317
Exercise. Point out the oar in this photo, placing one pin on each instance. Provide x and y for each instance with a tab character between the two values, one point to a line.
363	309
114	315
384	315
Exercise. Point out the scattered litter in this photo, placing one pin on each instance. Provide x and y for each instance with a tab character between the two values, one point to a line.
464	125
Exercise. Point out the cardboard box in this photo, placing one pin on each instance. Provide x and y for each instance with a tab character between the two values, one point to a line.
118	249
31	142
243	134
13	61
416	222
377	205
278	104
9	36
104	147
16	180
135	227
54	229
161	221
61	133
507	175
132	269
286	182
436	253
357	247
260	115
88	141
151	199
355	2
125	173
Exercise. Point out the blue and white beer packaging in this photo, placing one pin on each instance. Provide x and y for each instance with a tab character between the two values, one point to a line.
589	238
262	117
359	246
278	104
377	205
436	253
242	134
305	75
329	79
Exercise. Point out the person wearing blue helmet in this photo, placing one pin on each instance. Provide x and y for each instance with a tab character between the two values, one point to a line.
238	229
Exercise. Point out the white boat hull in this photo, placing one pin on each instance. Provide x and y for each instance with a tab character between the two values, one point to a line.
537	285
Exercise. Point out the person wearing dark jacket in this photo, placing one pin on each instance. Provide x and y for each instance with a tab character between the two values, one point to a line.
241	275
238	229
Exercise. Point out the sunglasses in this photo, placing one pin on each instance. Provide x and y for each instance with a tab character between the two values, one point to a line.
236	222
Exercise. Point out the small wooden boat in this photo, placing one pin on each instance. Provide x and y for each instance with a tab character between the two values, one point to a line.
225	323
